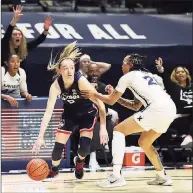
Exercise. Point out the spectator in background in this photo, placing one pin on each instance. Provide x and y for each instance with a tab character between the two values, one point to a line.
6	2
85	61
14	41
48	3
13	81
180	89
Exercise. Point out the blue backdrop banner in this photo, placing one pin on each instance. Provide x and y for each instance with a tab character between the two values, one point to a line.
107	30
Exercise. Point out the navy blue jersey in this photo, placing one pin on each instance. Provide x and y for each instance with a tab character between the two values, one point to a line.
73	102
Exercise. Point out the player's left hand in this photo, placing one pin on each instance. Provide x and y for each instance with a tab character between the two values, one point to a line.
104	138
88	93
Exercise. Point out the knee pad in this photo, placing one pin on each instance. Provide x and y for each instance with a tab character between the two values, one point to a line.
57	151
85	144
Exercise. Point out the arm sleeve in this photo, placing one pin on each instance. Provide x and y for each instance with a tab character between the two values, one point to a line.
34	43
23	84
166	78
124	82
7	35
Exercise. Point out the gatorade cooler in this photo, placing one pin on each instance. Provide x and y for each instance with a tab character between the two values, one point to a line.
134	156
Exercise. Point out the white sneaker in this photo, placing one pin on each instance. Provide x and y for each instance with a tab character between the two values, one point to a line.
161	180
187	141
112	181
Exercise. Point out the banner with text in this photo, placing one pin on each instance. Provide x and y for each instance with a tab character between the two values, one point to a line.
107	30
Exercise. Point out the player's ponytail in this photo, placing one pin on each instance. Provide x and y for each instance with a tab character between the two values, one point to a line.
69	52
137	61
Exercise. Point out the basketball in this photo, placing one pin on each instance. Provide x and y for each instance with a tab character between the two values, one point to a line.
37	169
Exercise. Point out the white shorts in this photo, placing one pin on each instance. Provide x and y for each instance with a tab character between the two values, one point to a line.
157	117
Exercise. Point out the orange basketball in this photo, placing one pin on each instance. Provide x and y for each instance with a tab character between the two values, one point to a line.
37	169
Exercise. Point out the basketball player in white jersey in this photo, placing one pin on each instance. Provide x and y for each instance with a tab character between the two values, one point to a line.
152	121
13	81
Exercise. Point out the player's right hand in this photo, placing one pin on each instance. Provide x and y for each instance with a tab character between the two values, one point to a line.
38	144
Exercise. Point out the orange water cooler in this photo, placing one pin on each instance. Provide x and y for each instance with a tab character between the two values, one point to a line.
134	156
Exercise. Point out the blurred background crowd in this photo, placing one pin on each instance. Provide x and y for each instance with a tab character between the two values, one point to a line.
103	6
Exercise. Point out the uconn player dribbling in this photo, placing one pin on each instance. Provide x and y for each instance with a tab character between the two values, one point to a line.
158	114
78	111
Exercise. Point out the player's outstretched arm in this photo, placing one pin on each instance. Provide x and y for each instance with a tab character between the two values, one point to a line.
108	99
54	92
113	97
134	105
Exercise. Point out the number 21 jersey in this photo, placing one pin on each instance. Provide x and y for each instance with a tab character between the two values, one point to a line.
145	86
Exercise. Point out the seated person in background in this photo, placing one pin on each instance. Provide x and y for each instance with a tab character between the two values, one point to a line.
93	76
13	81
180	89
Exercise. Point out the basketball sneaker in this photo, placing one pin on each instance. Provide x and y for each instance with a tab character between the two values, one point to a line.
52	174
164	180
79	164
112	181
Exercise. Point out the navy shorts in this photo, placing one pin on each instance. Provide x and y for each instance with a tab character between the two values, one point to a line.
84	121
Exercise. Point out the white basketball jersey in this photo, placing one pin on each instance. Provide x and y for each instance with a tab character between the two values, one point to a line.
13	85
145	86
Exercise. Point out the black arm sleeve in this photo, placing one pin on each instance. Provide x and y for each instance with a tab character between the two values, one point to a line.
166	79
7	35
5	44
34	43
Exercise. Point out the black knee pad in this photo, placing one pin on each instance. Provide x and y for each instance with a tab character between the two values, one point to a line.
57	151
85	144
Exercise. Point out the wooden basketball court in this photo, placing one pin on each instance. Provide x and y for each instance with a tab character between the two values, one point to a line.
66	182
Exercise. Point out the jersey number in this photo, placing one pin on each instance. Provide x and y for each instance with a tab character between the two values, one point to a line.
150	80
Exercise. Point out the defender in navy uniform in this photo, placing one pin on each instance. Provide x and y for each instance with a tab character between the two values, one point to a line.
78	111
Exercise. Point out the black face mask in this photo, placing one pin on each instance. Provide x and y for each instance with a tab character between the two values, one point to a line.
93	79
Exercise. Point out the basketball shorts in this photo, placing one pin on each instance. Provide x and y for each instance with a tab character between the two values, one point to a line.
157	117
84	121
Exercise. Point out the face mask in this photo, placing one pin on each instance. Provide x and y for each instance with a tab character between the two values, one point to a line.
93	79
